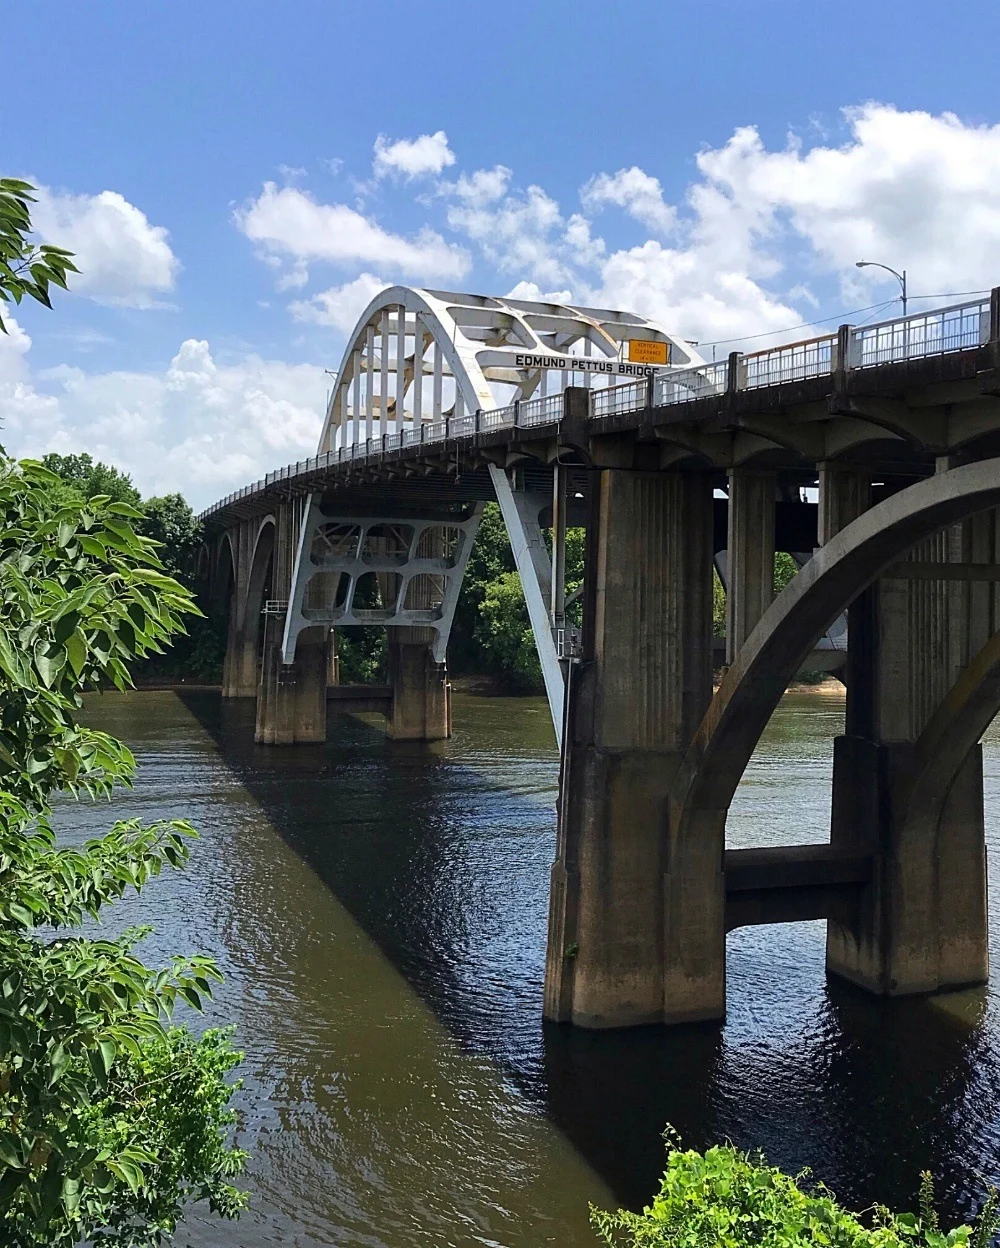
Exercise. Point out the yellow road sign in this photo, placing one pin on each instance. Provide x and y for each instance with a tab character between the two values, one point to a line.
642	351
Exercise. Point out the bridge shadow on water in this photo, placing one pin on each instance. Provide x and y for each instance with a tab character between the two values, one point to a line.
865	1092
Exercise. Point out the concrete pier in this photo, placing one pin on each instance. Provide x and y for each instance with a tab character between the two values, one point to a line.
922	924
634	702
751	554
291	698
421	693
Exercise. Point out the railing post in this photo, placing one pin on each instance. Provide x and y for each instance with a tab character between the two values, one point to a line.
479	412
651	389
733	375
995	314
517	412
423	429
843	348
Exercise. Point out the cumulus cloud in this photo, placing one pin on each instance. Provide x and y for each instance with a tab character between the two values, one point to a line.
634	190
518	235
907	188
339	306
481	187
197	425
288	223
122	258
533	292
412	158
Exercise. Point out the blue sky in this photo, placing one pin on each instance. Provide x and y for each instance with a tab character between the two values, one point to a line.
220	172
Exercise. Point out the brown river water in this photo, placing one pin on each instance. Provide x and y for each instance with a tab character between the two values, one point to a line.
379	911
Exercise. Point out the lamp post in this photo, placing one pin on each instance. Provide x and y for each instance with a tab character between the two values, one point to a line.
900	277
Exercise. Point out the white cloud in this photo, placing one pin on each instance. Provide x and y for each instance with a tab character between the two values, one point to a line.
908	188
533	292
122	258
481	187
339	306
689	293
637	192
198	425
519	235
412	158
287	222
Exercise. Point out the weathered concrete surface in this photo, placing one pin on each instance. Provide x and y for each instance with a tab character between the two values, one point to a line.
752	687
751	554
421	691
633	703
291	698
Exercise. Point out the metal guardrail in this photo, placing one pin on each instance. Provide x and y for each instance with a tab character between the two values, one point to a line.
954	328
794	362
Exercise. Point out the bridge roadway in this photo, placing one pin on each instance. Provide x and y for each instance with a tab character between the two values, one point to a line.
893	429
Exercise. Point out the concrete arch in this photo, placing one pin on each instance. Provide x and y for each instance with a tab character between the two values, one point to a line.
836	574
953	731
222	576
702	789
257	581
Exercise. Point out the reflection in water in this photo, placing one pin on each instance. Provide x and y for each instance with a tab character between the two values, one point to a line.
379	909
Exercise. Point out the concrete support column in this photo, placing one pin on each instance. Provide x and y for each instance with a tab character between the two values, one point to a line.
844	493
421	692
921	925
750	554
291	698
239	671
332	659
634	702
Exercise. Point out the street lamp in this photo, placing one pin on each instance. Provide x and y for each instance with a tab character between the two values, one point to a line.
900	277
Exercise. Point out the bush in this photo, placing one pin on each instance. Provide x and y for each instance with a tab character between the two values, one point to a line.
725	1198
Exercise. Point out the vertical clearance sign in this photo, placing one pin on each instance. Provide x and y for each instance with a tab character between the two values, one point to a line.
644	357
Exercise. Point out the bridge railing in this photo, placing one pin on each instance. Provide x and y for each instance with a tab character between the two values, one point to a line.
794	361
954	328
690	383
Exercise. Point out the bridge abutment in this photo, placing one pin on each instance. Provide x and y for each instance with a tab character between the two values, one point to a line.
633	704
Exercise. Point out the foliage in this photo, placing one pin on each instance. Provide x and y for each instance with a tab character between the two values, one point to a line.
718	605
725	1198
80	596
80	478
362	654
494	632
109	1122
504	633
26	268
785	568
489	559
170	521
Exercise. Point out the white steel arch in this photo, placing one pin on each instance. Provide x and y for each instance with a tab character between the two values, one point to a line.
477	352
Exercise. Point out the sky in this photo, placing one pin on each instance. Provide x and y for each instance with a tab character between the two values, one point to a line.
238	179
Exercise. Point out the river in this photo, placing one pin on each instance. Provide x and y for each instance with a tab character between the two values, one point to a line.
379	912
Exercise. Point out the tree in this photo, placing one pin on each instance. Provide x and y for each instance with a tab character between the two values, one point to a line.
81	478
26	268
170	521
505	644
728	1198
110	1120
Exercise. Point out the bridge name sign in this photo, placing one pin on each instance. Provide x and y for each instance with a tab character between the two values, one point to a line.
566	363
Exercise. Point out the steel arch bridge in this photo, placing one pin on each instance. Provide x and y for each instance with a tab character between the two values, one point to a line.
567	414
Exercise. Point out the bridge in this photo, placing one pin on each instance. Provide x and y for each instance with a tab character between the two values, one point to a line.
871	454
